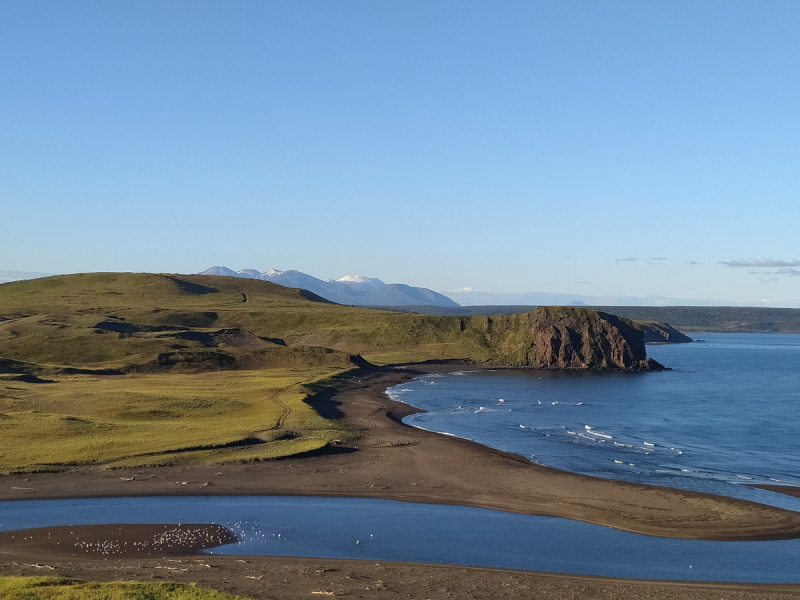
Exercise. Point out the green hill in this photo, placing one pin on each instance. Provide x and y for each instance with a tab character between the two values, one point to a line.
148	322
127	369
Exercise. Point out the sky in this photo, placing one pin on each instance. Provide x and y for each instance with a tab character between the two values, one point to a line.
646	150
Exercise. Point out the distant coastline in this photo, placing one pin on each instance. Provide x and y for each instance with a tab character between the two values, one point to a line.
688	319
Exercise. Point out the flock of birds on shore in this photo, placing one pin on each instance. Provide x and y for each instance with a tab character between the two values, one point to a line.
182	538
171	539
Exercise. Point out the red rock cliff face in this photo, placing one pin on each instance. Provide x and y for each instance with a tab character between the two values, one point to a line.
568	338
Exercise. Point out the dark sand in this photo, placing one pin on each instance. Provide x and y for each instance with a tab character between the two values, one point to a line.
397	462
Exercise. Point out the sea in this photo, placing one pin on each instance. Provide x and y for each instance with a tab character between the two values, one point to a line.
727	413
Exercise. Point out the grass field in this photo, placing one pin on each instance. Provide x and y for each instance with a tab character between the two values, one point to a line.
53	320
134	420
181	394
134	369
62	588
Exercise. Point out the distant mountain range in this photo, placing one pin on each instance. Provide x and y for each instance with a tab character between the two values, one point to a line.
351	289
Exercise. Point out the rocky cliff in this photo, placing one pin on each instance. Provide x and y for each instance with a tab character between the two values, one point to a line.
552	337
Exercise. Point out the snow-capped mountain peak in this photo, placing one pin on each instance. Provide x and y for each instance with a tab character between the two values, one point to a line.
221	271
251	273
358	279
351	289
360	282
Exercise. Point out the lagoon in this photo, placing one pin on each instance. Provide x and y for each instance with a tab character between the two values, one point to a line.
400	531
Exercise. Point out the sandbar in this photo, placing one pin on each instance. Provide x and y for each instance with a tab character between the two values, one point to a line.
786	490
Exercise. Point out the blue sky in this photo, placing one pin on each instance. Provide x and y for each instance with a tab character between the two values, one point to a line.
593	148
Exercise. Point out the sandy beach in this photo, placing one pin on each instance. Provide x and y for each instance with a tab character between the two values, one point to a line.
394	461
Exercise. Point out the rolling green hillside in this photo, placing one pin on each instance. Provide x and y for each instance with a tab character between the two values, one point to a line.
148	322
128	369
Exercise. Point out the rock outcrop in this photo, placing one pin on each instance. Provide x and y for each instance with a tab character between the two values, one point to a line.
559	337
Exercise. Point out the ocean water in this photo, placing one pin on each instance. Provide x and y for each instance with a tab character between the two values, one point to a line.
728	413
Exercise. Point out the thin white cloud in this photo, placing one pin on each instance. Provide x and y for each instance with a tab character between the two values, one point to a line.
629	259
763	263
783	271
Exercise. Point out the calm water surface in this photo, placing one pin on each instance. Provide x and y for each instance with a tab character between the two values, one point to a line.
387	530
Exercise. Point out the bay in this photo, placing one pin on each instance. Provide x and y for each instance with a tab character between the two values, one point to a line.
726	414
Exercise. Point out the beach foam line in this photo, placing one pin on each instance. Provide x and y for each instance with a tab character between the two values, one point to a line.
395	396
453	435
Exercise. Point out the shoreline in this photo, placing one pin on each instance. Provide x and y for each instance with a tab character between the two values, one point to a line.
400	462
296	578
290	578
174	553
395	461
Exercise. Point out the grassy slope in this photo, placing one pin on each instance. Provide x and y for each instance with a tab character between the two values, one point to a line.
50	319
155	419
190	412
184	397
62	588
